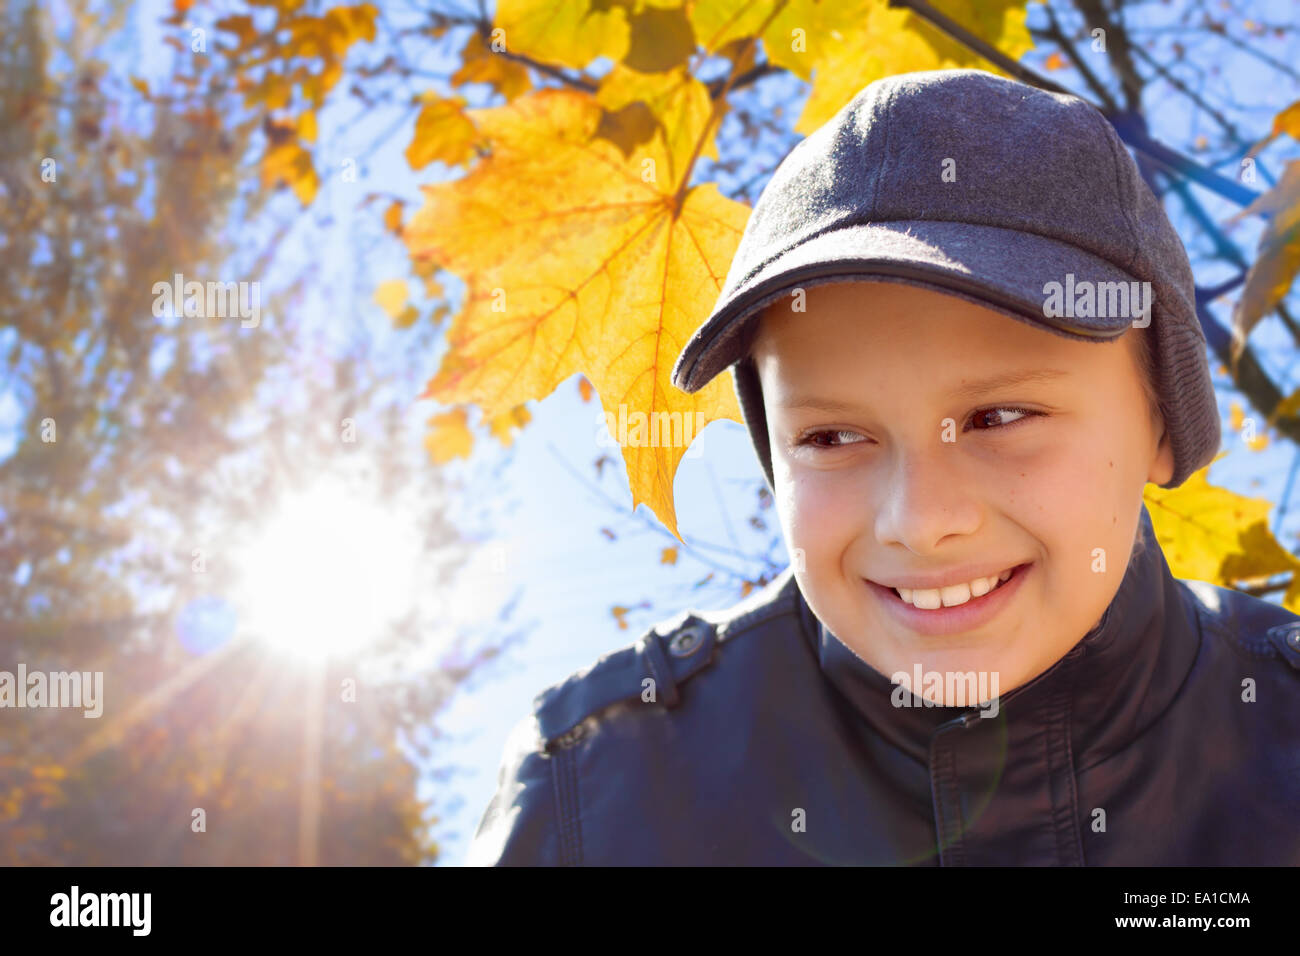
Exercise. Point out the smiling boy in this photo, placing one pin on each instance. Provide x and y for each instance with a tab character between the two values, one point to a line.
957	457
1041	474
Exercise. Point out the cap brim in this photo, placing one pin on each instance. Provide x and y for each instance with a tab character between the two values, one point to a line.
1002	269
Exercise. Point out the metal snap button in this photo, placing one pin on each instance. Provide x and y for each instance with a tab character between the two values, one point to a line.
686	642
1294	638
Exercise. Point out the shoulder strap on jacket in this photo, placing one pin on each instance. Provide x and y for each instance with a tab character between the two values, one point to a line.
656	666
1286	638
652	669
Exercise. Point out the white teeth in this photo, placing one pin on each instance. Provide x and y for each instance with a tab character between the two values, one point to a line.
929	599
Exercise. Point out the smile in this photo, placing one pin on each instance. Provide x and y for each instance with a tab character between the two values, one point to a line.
955	609
929	599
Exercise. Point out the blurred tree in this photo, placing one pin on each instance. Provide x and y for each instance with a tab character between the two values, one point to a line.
143	441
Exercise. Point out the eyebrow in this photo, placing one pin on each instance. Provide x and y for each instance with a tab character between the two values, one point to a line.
981	386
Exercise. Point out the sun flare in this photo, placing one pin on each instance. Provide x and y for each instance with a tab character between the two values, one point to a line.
328	572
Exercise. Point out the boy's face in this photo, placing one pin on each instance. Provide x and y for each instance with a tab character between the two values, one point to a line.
921	476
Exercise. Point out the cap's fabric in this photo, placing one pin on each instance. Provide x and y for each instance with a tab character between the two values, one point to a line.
982	187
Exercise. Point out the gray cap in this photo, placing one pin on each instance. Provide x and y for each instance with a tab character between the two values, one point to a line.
981	187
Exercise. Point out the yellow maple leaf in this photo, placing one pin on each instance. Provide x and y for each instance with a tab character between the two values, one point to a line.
1277	259
393	216
481	64
841	47
503	425
567	32
668	556
391	296
579	260
1287	408
449	436
443	132
290	163
678	105
307	126
241	26
1212	534
1288	121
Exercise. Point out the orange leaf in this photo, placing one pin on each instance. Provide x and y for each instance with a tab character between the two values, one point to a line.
393	217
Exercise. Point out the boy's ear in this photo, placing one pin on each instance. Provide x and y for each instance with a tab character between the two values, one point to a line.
1162	465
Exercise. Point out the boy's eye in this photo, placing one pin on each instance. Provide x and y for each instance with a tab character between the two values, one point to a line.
990	419
814	438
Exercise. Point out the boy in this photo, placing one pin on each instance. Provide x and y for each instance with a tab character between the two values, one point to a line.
964	339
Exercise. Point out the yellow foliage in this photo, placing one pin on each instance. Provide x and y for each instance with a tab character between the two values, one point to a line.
479	64
564	32
1212	534
449	437
675	103
503	425
841	47
391	296
1288	121
577	259
1278	259
442	132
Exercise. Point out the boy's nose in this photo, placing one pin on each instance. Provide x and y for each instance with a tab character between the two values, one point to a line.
923	501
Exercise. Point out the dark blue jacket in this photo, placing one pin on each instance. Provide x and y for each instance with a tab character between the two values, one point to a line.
1169	735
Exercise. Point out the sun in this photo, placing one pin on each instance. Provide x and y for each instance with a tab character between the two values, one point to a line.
327	574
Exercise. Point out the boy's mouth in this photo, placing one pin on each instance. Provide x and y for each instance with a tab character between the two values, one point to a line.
956	609
930	599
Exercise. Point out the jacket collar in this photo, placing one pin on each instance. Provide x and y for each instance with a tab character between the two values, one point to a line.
1118	678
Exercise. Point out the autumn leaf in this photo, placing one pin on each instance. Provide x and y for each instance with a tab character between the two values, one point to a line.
1211	534
1054	61
1237	420
564	32
393	217
1288	121
504	425
291	164
442	132
585	389
841	47
307	126
480	64
241	26
1277	259
677	104
449	436
668	556
391	296
578	260
1289	407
